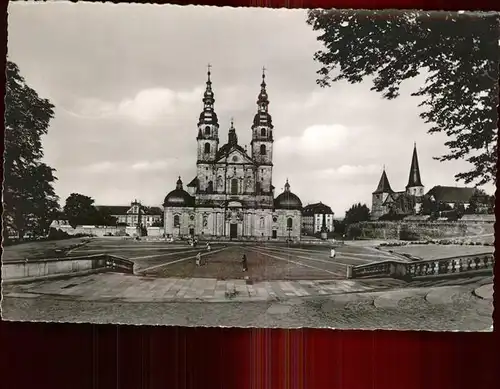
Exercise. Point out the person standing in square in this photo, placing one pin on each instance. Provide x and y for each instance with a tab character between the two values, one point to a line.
332	253
244	262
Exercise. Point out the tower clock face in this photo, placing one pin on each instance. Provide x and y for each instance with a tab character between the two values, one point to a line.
235	159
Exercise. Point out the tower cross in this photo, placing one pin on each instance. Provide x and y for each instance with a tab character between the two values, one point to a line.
263	71
208	71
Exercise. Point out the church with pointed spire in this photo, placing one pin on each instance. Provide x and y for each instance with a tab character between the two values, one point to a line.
232	194
385	200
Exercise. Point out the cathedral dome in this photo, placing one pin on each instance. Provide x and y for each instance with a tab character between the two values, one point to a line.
178	197
287	199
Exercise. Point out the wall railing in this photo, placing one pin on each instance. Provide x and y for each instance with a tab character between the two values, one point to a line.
27	270
424	268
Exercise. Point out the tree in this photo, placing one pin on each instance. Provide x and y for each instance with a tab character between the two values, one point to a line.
44	206
480	202
79	210
429	206
29	199
459	54
103	217
357	213
339	227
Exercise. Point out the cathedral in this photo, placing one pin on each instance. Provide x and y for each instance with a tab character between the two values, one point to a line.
232	194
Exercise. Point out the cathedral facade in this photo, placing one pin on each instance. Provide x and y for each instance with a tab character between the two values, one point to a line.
232	194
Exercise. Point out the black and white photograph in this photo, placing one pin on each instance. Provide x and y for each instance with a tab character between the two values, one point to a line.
249	167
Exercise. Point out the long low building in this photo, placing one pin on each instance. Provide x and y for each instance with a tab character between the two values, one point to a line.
134	214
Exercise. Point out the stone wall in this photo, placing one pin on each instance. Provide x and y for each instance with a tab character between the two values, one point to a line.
424	230
107	230
24	270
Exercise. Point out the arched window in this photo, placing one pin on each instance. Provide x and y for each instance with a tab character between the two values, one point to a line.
234	186
289	223
263	132
177	221
207	130
262	149
207	148
210	187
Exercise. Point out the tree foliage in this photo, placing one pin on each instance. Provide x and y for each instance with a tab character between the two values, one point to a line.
80	210
357	213
457	52
481	203
429	206
29	200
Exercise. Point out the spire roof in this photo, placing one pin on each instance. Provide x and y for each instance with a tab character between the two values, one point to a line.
383	185
208	116
263	100
262	117
414	177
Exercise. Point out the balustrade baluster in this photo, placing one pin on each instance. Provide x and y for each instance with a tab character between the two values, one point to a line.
436	267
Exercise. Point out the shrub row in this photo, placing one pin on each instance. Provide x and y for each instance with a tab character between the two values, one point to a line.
437	242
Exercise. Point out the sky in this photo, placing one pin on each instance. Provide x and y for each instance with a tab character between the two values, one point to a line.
127	84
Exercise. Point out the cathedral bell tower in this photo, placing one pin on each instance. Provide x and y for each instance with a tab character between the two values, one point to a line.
262	128
208	126
262	142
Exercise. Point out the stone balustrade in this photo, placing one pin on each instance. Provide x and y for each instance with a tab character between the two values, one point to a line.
425	268
450	265
27	270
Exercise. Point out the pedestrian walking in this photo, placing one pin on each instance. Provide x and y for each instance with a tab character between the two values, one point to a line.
244	263
332	253
198	259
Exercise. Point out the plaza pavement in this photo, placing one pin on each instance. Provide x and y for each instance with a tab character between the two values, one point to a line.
458	305
464	303
312	262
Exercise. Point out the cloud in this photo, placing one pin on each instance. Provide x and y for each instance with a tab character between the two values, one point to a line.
100	167
153	165
315	139
147	107
349	171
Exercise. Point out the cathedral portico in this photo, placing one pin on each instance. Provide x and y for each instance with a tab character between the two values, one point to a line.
232	195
